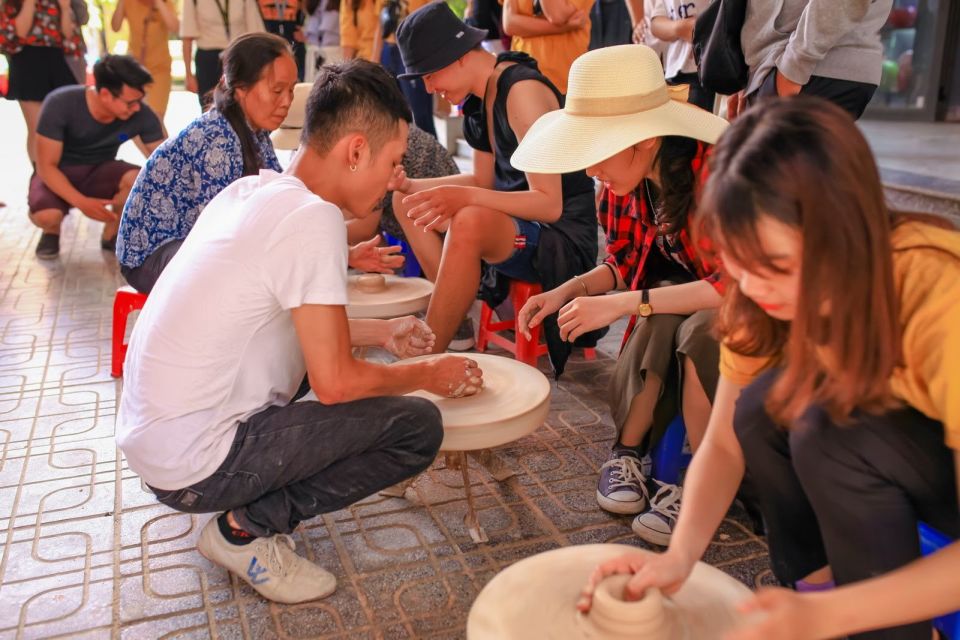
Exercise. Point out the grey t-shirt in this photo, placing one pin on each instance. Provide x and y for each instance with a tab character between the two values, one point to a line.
66	118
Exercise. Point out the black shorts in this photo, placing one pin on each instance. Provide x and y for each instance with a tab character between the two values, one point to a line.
36	71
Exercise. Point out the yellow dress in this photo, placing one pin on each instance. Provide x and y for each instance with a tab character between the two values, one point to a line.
148	44
554	54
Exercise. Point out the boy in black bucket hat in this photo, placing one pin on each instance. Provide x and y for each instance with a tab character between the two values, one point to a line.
531	227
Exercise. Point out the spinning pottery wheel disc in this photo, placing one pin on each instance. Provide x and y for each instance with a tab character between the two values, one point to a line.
513	403
536	598
393	298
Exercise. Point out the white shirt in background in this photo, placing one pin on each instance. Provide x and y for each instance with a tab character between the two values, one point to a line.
678	55
215	343
203	21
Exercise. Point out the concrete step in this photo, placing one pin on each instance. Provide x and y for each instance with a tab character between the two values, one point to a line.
907	191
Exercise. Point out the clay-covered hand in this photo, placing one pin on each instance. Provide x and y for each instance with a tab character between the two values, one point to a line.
664	571
399	180
639	35
369	256
432	207
587	313
781	613
455	377
408	337
537	308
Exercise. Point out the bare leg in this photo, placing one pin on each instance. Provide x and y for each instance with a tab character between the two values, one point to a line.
640	416
31	114
475	234
695	405
48	220
427	246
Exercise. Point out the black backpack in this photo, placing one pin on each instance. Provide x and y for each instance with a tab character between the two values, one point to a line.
716	47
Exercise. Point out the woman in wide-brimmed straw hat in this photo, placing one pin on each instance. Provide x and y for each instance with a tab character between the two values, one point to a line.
647	145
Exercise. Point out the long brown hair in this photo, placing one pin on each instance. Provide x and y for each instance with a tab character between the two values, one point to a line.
803	162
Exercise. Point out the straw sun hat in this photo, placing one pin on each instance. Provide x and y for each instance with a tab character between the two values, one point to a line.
617	97
288	135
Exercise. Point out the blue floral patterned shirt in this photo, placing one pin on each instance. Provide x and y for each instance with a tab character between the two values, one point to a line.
181	176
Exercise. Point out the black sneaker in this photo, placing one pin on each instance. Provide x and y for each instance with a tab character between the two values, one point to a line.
49	246
109	245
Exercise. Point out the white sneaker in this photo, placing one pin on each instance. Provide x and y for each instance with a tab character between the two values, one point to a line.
656	524
464	339
269	565
622	487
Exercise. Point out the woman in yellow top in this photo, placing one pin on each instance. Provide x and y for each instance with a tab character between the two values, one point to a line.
843	327
552	32
358	24
150	22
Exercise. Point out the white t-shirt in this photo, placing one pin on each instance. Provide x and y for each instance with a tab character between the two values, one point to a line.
215	342
202	20
678	55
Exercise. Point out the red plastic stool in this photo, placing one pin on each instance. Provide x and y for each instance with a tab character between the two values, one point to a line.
526	351
126	302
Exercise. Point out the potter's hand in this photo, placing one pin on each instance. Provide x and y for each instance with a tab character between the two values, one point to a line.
370	257
455	377
664	571
781	613
587	313
537	308
432	207
408	337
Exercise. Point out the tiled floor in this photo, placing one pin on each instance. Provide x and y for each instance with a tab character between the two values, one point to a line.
86	552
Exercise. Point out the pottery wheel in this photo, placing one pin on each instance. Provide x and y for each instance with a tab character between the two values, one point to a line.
536	598
513	403
400	297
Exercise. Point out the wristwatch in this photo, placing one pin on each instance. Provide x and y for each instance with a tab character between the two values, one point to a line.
644	310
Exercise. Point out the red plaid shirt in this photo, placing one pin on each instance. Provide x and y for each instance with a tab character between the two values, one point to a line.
632	234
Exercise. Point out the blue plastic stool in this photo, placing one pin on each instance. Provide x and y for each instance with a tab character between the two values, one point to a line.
411	268
671	456
931	541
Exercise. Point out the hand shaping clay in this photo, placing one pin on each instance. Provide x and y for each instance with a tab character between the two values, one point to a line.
536	598
372	295
513	403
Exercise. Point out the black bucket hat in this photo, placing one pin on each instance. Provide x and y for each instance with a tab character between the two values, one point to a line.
433	37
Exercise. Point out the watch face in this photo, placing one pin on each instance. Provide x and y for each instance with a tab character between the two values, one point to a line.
644	310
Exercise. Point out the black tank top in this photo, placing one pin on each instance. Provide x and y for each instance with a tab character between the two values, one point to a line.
506	178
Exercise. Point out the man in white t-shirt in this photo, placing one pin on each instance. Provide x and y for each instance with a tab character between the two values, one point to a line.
672	22
254	299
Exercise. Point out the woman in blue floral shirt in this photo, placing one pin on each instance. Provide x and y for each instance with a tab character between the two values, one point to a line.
228	142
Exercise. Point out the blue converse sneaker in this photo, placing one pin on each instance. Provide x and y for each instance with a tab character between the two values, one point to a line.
656	524
622	487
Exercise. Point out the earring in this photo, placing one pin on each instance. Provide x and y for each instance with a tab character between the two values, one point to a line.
353	167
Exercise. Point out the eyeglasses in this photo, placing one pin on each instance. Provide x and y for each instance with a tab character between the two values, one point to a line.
130	104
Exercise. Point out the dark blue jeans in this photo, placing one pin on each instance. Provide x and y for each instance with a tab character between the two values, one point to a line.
847	495
289	464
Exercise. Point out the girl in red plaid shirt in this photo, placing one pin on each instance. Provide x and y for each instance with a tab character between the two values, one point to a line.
669	360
